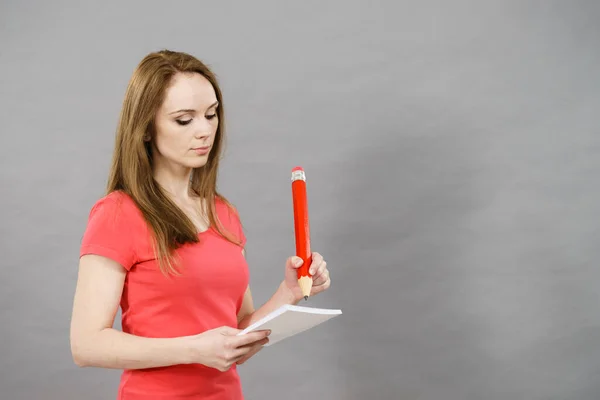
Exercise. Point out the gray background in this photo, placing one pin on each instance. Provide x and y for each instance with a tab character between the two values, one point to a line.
452	154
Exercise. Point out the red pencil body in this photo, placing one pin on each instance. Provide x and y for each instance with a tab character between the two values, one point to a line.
302	228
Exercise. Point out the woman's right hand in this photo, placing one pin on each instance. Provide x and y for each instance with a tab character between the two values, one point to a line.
220	348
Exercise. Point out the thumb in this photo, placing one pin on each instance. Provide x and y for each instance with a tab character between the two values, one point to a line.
291	269
227	330
294	262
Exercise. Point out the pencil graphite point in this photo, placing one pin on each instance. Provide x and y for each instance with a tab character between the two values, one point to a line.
305	298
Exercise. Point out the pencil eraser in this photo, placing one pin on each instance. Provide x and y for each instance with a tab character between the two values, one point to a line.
297	169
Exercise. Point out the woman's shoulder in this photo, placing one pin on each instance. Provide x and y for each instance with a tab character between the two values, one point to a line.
118	205
117	200
221	201
225	208
114	229
229	216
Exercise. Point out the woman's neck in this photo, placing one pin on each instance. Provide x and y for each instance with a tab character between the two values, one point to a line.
175	181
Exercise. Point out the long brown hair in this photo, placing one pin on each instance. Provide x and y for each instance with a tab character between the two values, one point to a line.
131	169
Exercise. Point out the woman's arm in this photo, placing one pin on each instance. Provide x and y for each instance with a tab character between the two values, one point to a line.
248	315
94	342
288	292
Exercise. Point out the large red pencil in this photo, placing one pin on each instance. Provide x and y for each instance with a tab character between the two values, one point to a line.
302	229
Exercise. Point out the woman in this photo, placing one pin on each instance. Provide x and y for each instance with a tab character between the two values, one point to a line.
168	249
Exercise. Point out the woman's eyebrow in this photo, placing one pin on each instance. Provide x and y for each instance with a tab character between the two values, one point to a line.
183	110
189	110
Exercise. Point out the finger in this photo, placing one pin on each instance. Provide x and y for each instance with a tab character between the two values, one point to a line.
256	343
248	356
321	278
254	349
317	260
247	351
238	353
320	288
319	269
250	337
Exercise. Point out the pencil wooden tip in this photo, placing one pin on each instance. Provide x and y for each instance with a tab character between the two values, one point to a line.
305	283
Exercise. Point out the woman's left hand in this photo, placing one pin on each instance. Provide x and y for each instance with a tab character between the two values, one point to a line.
318	270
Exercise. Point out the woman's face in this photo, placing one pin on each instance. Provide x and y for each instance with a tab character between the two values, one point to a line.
186	123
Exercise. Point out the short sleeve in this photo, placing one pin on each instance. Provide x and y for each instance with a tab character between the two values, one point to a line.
109	232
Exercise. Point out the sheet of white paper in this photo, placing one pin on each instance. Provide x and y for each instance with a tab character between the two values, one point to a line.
289	320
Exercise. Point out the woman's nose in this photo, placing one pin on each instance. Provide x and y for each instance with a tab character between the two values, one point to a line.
203	128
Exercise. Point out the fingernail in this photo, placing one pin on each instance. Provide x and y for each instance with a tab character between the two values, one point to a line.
298	262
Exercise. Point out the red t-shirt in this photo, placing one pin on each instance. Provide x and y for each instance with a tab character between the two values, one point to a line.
208	294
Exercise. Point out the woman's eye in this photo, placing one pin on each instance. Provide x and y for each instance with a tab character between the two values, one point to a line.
183	122
211	116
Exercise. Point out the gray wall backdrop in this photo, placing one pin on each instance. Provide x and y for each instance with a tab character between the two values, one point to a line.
452	152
